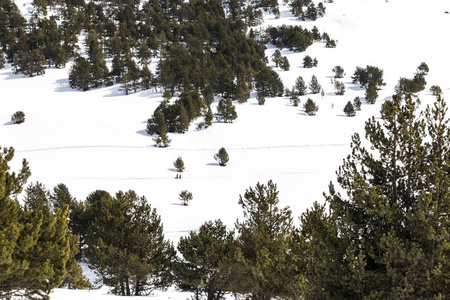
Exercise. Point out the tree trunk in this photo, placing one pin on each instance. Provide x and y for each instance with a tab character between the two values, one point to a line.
127	282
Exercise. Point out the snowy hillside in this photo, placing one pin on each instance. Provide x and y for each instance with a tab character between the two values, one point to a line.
97	140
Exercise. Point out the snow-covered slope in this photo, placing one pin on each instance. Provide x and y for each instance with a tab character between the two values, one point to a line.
96	139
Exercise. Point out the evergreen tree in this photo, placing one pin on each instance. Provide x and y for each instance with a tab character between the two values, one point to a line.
30	63
260	98
16	235
388	234
277	57
371	93
364	76
265	234
436	90
284	65
185	196
222	157
179	164
226	111
295	99
357	103
18	117
208	117
310	107
207	255
338	72
80	74
339	87
314	85
2	59
127	246
183	119
307	62
349	110
300	86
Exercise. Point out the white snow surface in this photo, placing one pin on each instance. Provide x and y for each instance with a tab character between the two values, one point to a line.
97	140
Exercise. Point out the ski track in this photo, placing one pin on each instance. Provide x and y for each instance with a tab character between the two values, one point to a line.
180	149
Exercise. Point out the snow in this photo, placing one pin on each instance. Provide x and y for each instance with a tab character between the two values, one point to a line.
96	139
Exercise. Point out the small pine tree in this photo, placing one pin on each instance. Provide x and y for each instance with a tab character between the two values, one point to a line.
285	65
314	85
208	117
179	164
349	110
222	157
277	58
295	99
2	59
339	87
226	111
308	62
371	93
185	196
338	72
183	119
261	99
18	117
436	90
310	107
300	86
357	103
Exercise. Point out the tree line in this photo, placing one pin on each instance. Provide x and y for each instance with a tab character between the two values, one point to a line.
384	236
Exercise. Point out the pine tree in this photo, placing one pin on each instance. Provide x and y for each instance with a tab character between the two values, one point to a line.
127	245
339	87
284	65
338	72
207	257
357	103
307	62
16	236
208	117
265	235
222	157
18	117
185	196
260	98
2	59
300	86
277	57
79	74
179	164
183	119
371	93
436	90
349	110
310	107
226	111
295	99
314	85
388	233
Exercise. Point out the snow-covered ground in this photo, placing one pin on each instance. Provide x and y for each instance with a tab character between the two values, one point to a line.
96	139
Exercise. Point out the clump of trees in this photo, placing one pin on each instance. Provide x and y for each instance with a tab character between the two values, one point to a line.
309	62
372	79
415	85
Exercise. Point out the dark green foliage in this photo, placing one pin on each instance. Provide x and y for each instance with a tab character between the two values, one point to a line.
300	86
357	103
295	99
185	196
436	90
338	72
263	266
207	256
294	38
29	63
222	157
226	111
127	245
277	57
79	75
339	87
268	83
310	107
308	62
260	98
423	69
387	235
179	164
415	85
208	117
285	65
371	93
349	110
314	85
157	125
18	117
364	76
2	59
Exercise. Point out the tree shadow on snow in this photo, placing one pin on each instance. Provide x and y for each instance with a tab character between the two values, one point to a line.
8	123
